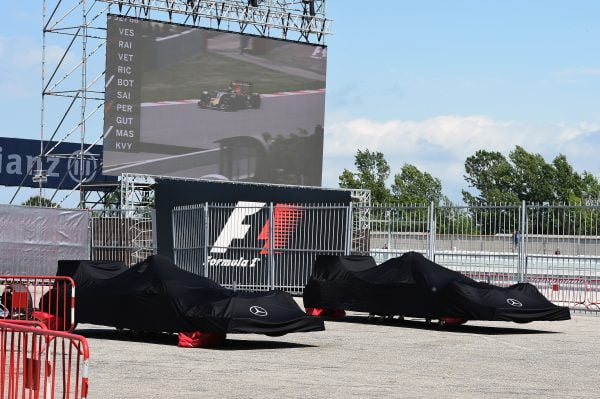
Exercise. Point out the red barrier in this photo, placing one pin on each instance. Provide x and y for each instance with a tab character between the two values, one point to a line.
321	312
28	323
197	339
50	300
39	363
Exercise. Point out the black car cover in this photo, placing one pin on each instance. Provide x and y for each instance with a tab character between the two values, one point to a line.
157	296
413	286
84	273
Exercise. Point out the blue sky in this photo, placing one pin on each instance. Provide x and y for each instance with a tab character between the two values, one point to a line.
426	82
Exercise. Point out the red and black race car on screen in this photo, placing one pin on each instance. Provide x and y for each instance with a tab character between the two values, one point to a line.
238	96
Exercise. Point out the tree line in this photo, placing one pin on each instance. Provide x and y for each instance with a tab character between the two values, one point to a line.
491	177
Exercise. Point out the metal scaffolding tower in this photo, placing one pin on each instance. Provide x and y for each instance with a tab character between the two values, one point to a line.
300	20
73	62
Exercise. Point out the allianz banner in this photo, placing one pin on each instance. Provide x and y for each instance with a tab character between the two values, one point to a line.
19	161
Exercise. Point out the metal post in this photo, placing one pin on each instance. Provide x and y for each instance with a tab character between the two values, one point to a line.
91	235
522	257
154	235
349	228
41	186
431	235
205	246
524	240
174	229
83	100
388	215
271	246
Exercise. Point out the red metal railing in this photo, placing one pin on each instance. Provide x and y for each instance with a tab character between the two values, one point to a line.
39	363
49	299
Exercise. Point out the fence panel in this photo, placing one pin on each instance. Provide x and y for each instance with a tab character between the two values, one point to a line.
483	242
394	230
37	363
555	247
189	232
258	246
235	245
122	235
49	299
563	254
321	231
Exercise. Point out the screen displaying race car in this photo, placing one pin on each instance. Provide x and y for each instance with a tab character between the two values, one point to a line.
193	102
237	96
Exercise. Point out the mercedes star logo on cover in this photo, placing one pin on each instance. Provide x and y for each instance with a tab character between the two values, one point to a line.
258	311
514	302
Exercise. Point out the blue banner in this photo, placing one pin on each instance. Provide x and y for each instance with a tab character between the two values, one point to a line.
19	162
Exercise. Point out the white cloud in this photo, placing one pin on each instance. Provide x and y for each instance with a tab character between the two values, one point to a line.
440	145
452	135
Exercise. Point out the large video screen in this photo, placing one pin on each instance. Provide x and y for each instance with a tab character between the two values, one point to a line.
194	102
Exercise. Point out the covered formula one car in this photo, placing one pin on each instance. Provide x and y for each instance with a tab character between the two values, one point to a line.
157	296
414	286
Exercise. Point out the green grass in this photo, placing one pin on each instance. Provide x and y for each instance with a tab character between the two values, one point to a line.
296	55
214	72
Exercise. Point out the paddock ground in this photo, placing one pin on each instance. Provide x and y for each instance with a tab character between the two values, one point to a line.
357	359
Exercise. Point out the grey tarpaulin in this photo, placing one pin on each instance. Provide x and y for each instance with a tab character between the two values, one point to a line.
33	239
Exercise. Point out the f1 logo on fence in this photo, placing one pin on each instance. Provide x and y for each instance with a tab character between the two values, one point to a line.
285	220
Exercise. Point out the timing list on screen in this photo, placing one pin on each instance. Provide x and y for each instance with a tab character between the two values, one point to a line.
122	87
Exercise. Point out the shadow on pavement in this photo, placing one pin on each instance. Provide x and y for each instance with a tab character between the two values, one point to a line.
422	325
127	335
242	344
172	339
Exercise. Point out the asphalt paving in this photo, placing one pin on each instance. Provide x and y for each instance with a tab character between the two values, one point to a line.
355	358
